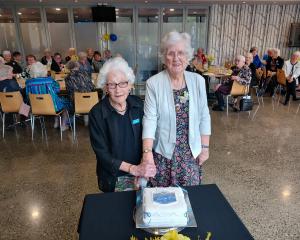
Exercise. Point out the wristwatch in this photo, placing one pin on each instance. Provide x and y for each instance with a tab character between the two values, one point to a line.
147	150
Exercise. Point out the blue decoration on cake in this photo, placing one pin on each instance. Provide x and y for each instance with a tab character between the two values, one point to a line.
164	197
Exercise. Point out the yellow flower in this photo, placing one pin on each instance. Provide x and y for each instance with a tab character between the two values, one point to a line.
133	238
173	235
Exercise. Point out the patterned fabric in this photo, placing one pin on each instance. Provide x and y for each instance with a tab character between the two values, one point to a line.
182	169
244	74
46	85
78	81
86	67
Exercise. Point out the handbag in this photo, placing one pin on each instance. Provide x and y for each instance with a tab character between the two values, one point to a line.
24	109
238	89
246	103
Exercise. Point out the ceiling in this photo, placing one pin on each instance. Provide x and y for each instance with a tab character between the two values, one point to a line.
142	1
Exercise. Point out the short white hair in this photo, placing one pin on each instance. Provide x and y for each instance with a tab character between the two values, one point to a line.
5	70
38	70
82	55
277	51
240	57
172	38
6	52
297	53
115	64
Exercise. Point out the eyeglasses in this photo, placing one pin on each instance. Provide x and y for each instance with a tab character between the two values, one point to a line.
114	85
180	54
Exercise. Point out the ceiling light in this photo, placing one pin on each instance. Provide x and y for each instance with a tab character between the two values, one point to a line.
146	1
172	9
57	9
19	13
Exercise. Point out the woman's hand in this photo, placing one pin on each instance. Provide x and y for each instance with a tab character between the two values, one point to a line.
203	156
144	169
148	158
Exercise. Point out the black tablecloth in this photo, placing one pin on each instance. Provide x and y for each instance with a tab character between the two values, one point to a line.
109	216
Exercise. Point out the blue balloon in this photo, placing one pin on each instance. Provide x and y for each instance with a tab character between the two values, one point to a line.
113	37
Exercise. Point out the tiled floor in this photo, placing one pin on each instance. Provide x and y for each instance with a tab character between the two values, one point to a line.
256	164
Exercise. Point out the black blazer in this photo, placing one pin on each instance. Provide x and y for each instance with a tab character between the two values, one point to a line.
104	141
55	67
279	63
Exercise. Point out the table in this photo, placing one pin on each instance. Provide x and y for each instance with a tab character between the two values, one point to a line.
110	216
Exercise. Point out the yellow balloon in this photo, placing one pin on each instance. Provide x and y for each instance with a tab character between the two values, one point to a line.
106	37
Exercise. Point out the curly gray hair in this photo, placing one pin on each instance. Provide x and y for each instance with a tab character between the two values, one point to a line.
115	64
38	70
172	38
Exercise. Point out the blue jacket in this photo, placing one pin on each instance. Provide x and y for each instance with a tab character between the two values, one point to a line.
45	85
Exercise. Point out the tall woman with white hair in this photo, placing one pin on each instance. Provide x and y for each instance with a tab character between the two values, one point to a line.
40	83
176	124
116	127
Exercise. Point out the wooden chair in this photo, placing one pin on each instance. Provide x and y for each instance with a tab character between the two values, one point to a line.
281	80
10	103
83	104
42	105
95	78
237	90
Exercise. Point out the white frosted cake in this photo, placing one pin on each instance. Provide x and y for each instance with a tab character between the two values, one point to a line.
164	207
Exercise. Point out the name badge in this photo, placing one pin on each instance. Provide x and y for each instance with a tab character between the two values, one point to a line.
135	121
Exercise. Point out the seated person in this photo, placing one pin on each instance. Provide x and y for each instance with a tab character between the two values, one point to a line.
256	61
84	64
199	59
116	127
30	59
56	64
292	72
240	73
90	55
97	62
251	65
273	64
107	55
40	83
47	59
7	82
71	55
267	56
17	56
17	69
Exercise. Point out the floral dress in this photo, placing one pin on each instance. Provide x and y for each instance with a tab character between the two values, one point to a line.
183	169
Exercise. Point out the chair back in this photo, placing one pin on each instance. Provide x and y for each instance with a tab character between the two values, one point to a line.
239	89
42	104
281	79
259	73
62	84
11	101
85	101
95	78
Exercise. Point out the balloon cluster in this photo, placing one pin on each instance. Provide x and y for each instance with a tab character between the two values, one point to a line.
112	37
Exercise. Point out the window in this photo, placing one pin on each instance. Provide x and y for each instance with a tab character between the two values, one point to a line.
123	28
7	29
196	26
34	39
85	29
147	35
172	20
59	30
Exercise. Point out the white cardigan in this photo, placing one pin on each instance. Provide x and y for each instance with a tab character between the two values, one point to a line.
159	122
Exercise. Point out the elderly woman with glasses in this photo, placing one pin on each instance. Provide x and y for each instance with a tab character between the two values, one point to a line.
241	73
176	124
116	127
